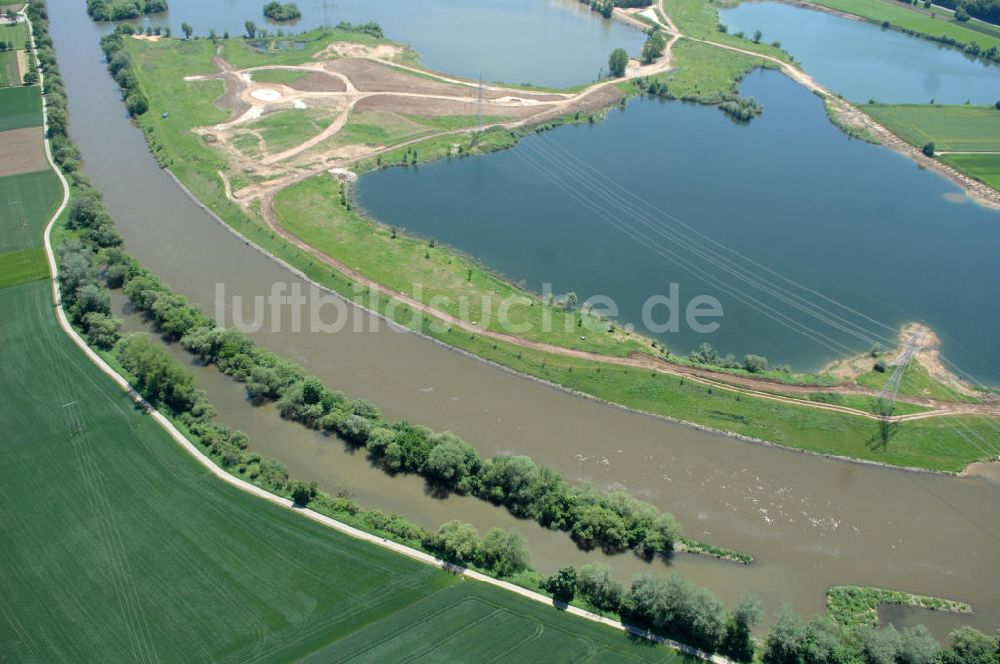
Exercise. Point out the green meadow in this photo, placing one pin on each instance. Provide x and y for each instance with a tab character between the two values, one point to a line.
22	107
26	203
986	167
950	128
15	35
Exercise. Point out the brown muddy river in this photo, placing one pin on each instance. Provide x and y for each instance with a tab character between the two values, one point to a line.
809	522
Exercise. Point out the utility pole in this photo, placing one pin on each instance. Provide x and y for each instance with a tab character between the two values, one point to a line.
327	6
481	103
886	398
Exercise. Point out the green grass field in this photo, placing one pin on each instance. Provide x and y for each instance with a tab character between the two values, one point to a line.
901	16
473	623
707	73
986	167
117	546
958	128
26	203
22	107
286	129
700	19
22	266
14	34
8	69
916	382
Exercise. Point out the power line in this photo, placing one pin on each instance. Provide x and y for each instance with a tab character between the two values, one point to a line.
327	6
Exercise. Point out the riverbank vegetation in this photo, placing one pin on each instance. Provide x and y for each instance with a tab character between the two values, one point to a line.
281	13
118	10
704	74
612	521
922	23
852	606
984	10
121	68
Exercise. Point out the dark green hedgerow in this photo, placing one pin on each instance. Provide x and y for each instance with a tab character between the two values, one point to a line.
122	70
613	521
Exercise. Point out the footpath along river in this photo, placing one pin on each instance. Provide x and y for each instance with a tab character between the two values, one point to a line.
810	522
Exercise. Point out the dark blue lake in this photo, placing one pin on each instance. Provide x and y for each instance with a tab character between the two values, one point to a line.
857	223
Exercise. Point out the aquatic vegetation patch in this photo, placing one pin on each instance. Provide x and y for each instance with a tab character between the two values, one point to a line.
856	605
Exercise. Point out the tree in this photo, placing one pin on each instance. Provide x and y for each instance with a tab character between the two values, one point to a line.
356	429
755	363
653	48
91	298
187	30
313	390
786	639
917	646
31	75
11	16
302	492
878	646
157	376
562	584
571	301
450	461
928	149
510	480
504	552
706	354
661	535
969	646
282	12
961	14
457	541
997	105
617	62
756	36
738	640
103	330
826	643
645	602
595	585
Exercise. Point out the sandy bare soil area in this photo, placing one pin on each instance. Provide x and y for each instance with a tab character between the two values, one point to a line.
22	150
